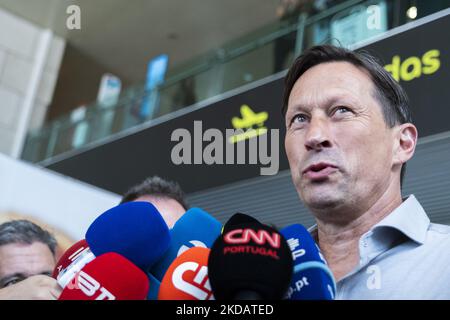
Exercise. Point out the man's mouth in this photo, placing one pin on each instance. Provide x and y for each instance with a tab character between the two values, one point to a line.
319	171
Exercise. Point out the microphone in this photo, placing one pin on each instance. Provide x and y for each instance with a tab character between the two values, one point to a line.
195	228
108	277
70	255
250	261
187	277
312	279
154	287
237	219
136	230
78	256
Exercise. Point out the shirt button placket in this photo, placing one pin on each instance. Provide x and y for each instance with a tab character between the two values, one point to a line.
363	251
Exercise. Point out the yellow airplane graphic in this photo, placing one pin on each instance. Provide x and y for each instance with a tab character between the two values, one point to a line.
248	120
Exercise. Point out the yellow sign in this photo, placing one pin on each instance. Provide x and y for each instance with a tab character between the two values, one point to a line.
248	120
413	67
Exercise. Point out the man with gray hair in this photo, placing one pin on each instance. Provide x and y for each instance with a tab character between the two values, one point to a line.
27	259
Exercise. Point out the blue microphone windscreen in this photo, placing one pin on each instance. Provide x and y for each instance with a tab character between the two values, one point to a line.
302	244
312	279
153	288
135	230
311	284
196	228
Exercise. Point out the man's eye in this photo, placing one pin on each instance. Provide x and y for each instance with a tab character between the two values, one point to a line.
299	118
342	109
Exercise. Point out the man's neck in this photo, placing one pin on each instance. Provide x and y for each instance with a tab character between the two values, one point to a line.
339	242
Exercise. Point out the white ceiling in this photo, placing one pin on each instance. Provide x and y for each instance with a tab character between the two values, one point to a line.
124	34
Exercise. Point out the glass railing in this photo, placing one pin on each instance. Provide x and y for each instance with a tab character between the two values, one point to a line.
255	56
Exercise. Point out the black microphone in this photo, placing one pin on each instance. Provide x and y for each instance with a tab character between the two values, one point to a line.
250	261
237	219
248	295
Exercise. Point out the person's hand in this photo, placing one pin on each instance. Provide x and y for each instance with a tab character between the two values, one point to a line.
39	287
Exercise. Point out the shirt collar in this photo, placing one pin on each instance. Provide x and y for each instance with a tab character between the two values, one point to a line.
409	218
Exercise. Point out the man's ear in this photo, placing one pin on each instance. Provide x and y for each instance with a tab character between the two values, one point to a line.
405	136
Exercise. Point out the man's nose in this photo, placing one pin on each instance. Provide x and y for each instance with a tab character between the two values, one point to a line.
317	134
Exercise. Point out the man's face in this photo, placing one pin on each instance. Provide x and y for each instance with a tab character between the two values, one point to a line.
171	210
19	261
339	148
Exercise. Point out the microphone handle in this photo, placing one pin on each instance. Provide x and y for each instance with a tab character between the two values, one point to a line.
247	295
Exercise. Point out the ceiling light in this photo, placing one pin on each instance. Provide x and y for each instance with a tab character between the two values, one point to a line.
412	13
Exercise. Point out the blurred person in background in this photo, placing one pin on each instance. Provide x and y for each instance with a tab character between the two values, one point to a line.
63	239
27	259
167	196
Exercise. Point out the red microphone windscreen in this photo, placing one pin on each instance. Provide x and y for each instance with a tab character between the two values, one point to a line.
110	276
70	256
187	277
